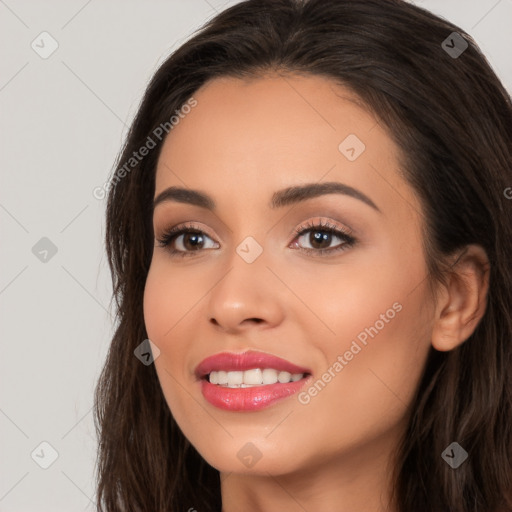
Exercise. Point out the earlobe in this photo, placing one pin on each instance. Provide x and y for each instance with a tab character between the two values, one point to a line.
462	301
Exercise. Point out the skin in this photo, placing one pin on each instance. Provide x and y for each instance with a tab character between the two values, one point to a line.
242	142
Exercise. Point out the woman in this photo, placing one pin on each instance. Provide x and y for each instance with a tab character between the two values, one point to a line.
310	220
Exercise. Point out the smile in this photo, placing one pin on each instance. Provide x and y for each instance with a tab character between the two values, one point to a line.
248	381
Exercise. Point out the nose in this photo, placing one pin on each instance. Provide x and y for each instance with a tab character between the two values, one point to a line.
247	296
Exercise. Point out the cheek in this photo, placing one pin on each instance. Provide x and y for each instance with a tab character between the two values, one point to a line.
169	296
165	313
374	361
379	326
363	292
158	305
168	302
365	389
165	318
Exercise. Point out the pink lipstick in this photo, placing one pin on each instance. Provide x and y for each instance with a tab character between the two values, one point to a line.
248	381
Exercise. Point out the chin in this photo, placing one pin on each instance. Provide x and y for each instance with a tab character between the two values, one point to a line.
250	457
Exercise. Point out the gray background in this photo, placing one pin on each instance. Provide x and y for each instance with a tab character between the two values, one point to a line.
63	120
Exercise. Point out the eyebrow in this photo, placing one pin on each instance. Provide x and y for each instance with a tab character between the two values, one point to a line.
284	197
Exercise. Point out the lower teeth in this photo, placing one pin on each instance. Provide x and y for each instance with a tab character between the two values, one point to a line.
240	385
247	385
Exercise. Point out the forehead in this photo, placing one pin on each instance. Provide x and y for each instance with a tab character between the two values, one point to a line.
289	117
246	138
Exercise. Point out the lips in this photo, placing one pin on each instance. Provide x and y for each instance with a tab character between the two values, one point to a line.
228	362
248	398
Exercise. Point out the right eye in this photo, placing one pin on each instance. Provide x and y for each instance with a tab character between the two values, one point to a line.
183	240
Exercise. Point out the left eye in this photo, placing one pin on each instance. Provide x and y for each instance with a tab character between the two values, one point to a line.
321	236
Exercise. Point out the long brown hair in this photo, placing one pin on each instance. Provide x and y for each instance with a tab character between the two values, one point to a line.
452	120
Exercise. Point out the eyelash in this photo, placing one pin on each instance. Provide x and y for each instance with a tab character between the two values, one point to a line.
348	241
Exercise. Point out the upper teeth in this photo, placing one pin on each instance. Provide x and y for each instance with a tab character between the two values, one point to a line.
254	377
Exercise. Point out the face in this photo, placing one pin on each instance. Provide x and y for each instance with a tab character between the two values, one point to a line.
331	280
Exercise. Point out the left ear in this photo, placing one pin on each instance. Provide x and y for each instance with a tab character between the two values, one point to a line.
462	301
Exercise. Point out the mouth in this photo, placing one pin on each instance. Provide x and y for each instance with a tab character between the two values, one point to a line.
248	381
250	397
